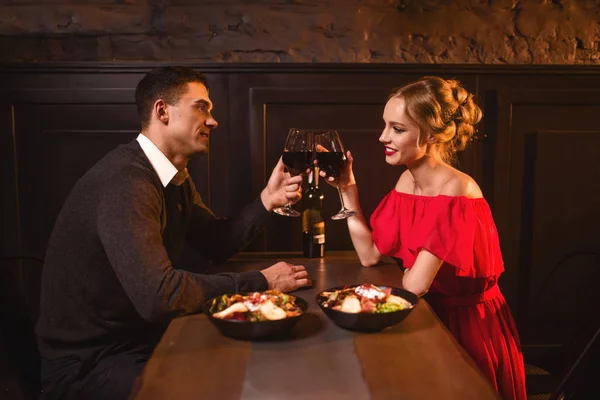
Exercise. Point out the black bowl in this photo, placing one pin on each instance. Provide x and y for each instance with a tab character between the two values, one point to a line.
369	322
255	330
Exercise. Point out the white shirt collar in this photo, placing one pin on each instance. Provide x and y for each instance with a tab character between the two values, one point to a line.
161	164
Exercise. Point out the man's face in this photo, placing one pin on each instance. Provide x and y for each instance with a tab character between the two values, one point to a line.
190	122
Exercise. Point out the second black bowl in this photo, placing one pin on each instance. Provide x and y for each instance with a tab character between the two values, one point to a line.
246	330
369	322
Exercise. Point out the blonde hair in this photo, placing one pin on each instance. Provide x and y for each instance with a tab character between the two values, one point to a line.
443	110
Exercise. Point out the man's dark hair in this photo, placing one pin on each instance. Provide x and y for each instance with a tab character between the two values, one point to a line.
166	83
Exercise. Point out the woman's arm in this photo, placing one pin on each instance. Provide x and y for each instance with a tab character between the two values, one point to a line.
360	233
419	277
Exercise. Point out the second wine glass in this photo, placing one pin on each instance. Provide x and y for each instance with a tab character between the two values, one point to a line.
297	157
331	156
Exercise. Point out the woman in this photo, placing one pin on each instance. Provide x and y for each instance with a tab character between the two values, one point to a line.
438	223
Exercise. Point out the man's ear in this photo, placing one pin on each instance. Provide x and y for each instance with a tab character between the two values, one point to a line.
161	111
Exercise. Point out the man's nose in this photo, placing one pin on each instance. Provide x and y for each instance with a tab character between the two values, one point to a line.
211	122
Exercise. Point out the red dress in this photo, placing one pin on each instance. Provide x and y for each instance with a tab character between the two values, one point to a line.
464	294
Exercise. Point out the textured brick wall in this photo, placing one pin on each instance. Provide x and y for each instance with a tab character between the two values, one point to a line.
360	31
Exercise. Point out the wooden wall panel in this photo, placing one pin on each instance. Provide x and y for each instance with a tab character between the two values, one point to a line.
8	199
562	220
59	136
546	198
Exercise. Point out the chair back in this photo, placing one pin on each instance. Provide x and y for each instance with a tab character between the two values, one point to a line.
580	382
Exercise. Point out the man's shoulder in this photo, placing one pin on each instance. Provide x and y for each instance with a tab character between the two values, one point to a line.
125	163
121	155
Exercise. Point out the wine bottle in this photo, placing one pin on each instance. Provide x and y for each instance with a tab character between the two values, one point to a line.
313	224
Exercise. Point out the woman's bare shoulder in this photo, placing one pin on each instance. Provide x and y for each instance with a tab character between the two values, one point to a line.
461	184
405	183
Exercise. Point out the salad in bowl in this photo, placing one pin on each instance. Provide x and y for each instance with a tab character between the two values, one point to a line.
255	315
366	307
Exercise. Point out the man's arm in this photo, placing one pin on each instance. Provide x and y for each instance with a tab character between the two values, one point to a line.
221	238
129	228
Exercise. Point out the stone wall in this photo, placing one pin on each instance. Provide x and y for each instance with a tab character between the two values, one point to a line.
291	31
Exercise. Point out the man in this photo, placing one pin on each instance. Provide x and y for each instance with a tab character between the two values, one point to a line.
109	284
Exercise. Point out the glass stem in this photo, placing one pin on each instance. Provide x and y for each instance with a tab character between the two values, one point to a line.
341	198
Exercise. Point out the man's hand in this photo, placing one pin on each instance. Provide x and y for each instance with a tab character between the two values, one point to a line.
281	188
286	277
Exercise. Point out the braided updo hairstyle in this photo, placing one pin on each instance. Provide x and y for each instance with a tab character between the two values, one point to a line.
444	111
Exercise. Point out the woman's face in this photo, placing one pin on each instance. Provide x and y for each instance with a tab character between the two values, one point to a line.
400	135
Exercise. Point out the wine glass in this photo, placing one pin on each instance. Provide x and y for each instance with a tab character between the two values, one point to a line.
297	157
331	156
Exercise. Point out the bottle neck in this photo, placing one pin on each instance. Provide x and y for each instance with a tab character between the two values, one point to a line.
313	177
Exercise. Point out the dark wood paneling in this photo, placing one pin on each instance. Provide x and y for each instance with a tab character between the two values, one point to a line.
496	119
9	236
59	135
546	190
561	223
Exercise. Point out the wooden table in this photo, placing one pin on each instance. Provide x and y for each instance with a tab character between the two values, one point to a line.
416	359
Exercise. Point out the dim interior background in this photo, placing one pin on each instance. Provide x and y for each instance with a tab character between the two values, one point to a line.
69	69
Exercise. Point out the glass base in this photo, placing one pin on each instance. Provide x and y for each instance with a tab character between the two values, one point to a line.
343	214
286	211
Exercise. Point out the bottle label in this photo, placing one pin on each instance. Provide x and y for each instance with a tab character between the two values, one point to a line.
310	218
313	224
319	239
319	232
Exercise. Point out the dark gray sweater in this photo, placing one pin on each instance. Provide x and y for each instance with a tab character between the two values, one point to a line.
109	283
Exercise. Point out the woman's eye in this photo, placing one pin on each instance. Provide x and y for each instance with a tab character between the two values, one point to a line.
398	130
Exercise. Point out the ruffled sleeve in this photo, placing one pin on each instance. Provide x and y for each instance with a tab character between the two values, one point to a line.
458	230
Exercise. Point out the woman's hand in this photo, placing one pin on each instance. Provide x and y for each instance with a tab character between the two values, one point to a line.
346	177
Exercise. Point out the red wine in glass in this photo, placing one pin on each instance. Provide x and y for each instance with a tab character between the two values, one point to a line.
297	157
297	161
331	157
331	162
